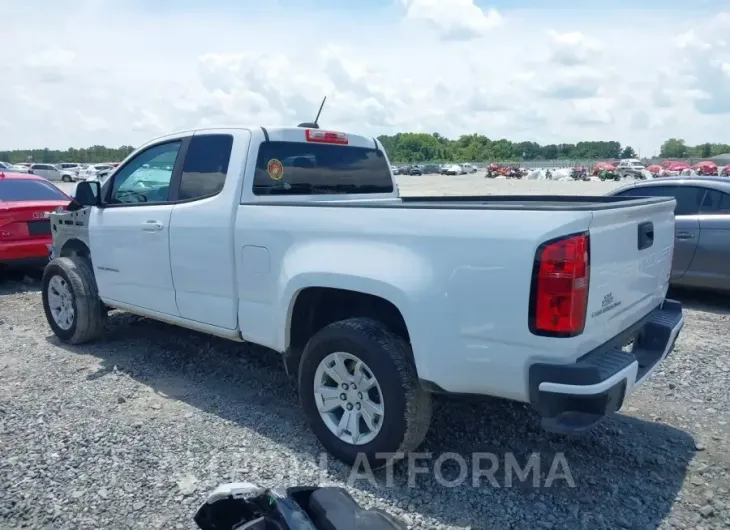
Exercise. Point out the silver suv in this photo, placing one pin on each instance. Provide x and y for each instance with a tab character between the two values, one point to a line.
631	167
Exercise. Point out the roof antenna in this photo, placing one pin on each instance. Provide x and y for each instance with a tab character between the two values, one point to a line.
314	125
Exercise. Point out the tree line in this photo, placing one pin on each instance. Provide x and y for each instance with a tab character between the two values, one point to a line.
96	154
422	147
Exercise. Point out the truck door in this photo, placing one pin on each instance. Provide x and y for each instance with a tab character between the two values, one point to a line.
202	251
710	265
130	236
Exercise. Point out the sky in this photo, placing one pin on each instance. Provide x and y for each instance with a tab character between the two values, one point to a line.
76	73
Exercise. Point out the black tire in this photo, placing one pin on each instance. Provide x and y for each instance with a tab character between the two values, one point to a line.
407	406
89	314
66	178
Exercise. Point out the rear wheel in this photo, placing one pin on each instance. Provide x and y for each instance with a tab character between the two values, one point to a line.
66	178
71	300
360	393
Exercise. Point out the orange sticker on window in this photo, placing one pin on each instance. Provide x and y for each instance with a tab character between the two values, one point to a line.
275	169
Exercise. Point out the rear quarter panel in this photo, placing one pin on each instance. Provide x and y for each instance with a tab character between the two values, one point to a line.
461	279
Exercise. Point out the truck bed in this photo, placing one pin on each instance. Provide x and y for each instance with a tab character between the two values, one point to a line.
489	202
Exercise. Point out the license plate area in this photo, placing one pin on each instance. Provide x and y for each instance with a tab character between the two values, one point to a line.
42	227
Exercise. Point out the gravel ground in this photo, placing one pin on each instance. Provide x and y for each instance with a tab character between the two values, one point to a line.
133	431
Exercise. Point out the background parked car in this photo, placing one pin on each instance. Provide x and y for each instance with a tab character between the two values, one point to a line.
415	170
90	171
702	229
26	230
454	169
51	172
430	168
102	175
631	167
12	168
70	166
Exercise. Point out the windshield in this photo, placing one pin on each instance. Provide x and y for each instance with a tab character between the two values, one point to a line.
29	190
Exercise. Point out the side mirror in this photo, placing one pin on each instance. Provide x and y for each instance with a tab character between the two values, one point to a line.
88	193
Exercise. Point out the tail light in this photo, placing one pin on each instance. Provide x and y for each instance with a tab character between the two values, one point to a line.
326	137
559	291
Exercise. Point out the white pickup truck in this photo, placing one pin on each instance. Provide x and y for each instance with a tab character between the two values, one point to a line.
296	239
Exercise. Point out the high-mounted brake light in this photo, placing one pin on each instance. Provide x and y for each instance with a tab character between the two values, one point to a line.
559	291
326	137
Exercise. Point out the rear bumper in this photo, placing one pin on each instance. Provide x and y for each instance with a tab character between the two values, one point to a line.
574	397
22	263
30	252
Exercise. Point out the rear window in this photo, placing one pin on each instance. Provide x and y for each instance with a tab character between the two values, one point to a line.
296	168
29	190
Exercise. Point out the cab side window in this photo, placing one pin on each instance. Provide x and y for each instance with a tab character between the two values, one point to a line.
206	165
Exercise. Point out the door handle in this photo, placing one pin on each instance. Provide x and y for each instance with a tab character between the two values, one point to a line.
645	235
152	226
684	235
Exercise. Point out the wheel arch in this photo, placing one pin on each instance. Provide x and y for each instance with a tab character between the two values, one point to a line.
314	306
75	247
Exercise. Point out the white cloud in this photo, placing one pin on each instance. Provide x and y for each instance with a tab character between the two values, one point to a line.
549	76
706	54
50	66
573	83
592	111
453	19
91	123
51	58
573	48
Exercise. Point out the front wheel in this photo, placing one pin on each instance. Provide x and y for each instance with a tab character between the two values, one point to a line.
71	300
360	393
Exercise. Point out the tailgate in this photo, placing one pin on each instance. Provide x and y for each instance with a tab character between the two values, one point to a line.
631	251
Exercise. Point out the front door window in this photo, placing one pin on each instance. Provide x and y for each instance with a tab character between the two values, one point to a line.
146	178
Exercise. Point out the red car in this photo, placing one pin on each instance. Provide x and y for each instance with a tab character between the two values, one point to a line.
25	230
